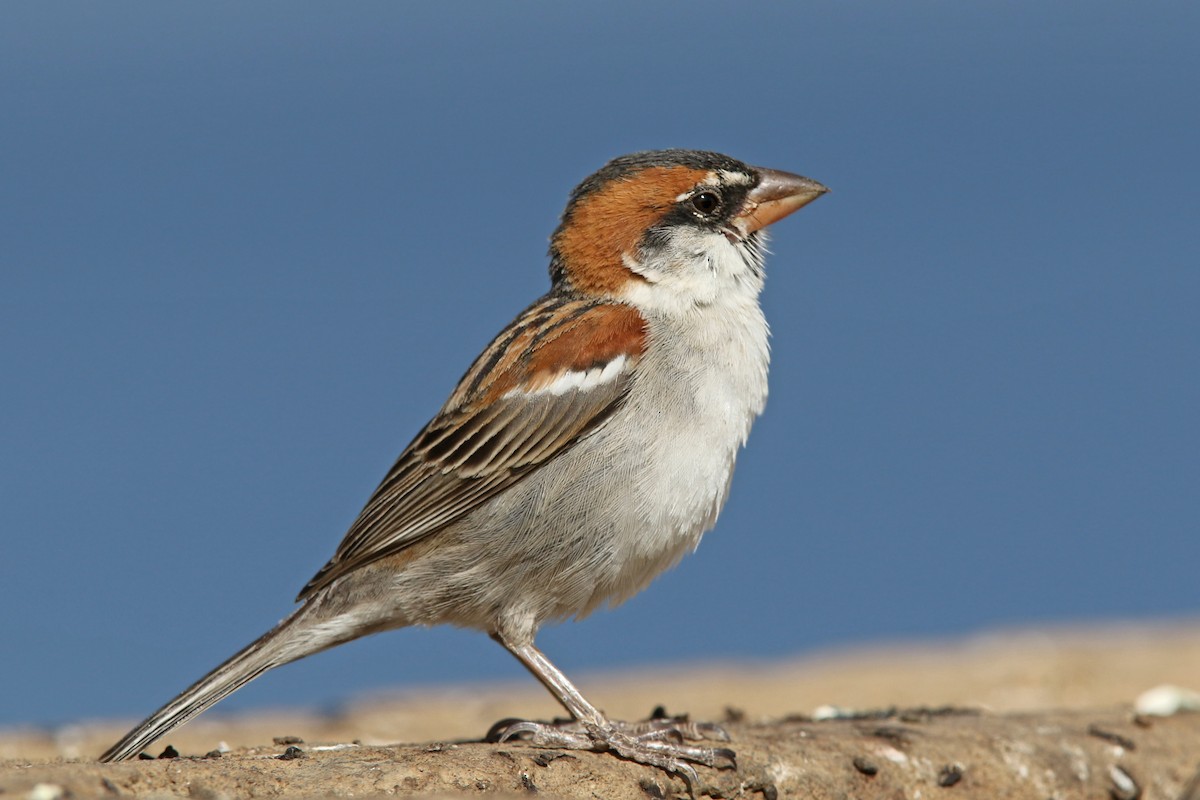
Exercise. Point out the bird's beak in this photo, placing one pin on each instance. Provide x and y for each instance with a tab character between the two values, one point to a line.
776	195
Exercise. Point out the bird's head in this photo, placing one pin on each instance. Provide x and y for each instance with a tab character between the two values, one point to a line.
668	229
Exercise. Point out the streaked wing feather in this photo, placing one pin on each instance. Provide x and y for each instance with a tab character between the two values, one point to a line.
508	416
437	479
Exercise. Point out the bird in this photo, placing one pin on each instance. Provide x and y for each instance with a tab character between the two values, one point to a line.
585	451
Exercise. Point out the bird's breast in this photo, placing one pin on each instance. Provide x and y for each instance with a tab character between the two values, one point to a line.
599	522
669	453
704	382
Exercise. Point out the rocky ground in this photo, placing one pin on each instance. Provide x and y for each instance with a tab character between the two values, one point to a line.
1047	714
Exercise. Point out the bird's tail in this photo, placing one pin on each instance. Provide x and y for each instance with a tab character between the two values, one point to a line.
294	638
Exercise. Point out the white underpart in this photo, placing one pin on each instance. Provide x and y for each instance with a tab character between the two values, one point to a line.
580	380
635	494
697	267
700	384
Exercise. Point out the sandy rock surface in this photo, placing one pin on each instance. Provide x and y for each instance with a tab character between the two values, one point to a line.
1033	714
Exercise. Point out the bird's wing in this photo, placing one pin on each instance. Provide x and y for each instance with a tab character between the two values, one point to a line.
553	375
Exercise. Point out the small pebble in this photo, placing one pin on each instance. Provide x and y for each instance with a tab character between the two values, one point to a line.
827	712
46	791
1165	700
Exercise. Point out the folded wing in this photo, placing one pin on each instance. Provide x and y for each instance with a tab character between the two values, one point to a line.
555	374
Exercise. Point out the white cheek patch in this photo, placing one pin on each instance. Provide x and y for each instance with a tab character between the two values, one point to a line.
638	268
577	380
692	267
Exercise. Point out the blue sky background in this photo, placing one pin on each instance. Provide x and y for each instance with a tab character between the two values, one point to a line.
247	250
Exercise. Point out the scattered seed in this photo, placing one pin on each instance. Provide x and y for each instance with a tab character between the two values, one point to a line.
291	754
527	784
865	766
950	775
1109	736
169	752
1124	787
544	759
651	789
894	734
288	740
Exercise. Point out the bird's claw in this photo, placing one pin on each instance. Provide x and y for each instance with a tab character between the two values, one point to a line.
541	734
655	743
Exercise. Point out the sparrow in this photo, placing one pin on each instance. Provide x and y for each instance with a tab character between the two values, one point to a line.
586	450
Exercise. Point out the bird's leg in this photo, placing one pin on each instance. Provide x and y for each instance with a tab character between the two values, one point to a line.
657	742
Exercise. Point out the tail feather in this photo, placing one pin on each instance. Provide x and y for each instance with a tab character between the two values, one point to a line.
276	647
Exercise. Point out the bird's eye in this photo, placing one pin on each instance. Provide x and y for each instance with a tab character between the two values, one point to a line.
706	202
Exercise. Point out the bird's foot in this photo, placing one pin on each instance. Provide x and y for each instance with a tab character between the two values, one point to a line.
657	742
679	725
